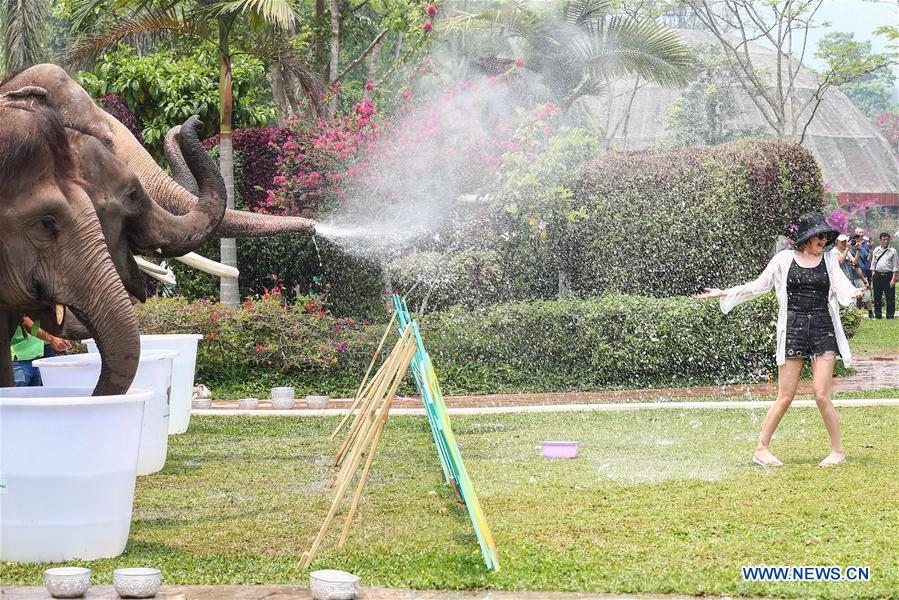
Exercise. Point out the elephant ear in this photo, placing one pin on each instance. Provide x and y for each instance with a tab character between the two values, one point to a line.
29	91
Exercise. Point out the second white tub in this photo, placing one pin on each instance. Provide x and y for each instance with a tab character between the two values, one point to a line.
154	372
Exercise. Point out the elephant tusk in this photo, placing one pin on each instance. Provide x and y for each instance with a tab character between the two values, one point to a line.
206	265
155	271
60	313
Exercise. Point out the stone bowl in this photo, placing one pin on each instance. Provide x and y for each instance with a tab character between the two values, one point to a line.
136	582
317	401
248	403
201	403
67	582
332	584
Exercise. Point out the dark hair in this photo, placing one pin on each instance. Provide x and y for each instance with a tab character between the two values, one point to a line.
884	234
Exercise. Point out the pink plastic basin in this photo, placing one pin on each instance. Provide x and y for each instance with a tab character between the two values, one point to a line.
560	449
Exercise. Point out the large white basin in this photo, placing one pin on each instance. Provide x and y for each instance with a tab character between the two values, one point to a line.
154	372
184	367
68	464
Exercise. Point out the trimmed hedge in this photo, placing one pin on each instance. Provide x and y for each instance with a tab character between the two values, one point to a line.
615	341
670	223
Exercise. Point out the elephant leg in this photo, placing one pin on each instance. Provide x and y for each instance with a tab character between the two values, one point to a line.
6	376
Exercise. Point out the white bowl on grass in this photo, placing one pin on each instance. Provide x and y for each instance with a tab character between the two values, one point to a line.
67	582
332	584
136	582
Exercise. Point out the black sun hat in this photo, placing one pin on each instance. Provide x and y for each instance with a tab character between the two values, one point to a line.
811	224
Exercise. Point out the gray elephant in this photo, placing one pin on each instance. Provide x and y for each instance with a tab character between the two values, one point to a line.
77	111
52	249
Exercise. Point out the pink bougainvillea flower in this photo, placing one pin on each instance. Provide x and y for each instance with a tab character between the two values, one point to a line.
794	227
427	27
519	62
369	86
407	94
432	10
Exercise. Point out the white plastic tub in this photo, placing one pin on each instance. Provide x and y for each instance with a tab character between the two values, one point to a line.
154	372
67	466
184	367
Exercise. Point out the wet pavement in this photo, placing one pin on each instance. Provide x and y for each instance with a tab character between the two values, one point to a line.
872	372
291	592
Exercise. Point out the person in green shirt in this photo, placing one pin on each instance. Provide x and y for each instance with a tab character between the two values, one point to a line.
27	344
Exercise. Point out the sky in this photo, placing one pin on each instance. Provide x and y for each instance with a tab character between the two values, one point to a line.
853	16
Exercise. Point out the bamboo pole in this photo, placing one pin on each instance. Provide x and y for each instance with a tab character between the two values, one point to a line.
359	392
410	352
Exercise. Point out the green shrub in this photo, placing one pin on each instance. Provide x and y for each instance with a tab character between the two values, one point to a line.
609	342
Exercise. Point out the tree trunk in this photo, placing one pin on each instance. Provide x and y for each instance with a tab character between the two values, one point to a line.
334	64
319	46
373	67
228	288
279	94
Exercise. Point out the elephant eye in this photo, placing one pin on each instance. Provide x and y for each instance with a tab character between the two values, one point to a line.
49	223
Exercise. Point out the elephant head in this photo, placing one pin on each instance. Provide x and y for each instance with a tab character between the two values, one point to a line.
52	249
132	223
76	109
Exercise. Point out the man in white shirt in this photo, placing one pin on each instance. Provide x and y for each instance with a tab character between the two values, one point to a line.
884	274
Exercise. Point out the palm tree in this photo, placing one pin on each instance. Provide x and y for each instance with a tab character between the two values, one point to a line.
220	22
23	28
577	47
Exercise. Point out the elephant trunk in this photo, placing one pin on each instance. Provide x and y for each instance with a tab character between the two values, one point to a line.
177	200
99	300
161	233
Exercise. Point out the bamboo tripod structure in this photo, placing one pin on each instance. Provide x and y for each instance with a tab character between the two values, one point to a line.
373	400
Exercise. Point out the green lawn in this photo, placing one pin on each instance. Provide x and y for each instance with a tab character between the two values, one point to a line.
876	335
657	501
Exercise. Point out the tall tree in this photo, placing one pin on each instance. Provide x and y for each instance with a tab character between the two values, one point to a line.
217	21
23	30
786	104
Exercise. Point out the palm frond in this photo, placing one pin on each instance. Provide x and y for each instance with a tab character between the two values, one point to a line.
509	18
276	12
624	46
23	27
580	12
152	22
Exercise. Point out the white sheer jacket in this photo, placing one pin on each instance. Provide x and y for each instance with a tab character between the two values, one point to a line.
775	277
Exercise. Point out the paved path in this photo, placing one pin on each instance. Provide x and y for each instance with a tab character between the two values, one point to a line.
873	372
292	592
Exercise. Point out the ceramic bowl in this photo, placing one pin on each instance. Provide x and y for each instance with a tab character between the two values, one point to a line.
554	449
201	403
331	584
248	403
67	582
137	582
317	401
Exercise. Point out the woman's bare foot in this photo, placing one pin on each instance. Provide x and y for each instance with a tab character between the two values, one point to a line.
833	459
763	457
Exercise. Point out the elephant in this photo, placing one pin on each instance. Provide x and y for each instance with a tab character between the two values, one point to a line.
77	111
52	249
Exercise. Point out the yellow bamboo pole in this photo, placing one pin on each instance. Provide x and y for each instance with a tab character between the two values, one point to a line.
382	422
374	358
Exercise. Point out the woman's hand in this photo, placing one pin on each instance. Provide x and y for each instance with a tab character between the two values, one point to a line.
711	293
859	294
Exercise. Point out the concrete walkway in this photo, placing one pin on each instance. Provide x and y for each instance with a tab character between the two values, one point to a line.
873	372
292	592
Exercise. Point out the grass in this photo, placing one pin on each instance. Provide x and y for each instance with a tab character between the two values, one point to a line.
657	501
876	335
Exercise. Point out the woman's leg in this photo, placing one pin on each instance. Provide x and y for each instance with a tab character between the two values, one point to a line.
787	381
822	386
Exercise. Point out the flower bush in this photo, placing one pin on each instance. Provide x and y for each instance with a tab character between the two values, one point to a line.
115	105
258	163
888	124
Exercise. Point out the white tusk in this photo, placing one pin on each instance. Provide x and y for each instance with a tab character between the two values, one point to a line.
60	313
155	271
206	265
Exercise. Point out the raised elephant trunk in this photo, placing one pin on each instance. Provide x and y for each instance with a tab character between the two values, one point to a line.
162	234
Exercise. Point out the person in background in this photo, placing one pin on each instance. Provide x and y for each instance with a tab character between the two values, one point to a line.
884	274
860	275
27	344
841	251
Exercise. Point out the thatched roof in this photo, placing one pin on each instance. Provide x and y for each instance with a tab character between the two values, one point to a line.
852	153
